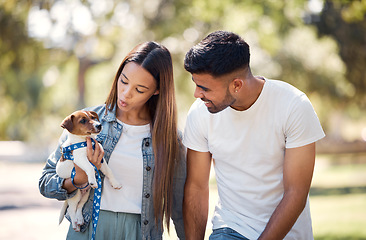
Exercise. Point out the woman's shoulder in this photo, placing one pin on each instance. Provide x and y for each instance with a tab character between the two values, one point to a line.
98	108
103	112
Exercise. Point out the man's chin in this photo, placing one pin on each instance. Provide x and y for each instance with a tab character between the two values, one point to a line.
214	110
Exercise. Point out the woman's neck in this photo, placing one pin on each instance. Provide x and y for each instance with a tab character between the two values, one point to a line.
140	117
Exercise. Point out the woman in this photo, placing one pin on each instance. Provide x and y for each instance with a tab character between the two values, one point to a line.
143	149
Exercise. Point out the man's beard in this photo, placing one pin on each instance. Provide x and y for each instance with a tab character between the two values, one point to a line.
215	108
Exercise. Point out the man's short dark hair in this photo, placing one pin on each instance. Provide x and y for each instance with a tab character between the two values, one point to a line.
219	53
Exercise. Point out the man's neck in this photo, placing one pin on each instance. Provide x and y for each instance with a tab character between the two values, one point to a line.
250	93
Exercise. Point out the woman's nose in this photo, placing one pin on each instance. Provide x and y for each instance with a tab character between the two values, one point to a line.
127	92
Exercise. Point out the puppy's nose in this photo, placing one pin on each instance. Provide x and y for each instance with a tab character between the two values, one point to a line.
99	127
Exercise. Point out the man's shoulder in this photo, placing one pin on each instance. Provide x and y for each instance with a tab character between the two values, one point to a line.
284	87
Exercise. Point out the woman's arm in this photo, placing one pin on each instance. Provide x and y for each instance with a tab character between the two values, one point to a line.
178	191
50	184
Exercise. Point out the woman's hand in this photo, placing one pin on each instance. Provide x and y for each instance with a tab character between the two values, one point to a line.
95	156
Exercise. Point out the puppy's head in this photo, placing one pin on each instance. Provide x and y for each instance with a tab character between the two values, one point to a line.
82	123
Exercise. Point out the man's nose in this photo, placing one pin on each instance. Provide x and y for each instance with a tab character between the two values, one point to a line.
198	93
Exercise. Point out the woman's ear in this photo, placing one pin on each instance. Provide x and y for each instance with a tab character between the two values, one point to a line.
156	92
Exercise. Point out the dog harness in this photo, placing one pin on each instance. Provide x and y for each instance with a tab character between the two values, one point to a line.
67	155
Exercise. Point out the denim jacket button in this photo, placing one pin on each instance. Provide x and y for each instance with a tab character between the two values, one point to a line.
147	144
146	222
147	195
148	168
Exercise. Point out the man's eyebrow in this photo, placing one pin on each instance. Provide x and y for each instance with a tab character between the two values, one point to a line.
200	86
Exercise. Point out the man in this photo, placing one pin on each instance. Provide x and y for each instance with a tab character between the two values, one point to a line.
261	136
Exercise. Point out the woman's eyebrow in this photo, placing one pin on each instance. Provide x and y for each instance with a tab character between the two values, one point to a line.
143	86
124	75
129	79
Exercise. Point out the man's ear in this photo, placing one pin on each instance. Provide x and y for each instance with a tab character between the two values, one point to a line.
67	123
237	84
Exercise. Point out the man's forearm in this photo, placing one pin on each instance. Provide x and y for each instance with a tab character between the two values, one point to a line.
195	212
285	216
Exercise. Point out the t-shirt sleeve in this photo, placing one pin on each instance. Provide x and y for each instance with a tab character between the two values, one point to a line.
302	126
195	131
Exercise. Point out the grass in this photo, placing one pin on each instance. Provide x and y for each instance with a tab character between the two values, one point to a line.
339	217
338	197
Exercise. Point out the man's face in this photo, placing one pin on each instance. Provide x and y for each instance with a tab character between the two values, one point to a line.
214	91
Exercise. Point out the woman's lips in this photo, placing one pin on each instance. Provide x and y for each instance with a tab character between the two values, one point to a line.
123	103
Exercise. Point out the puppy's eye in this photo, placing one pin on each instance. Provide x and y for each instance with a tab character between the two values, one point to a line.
83	121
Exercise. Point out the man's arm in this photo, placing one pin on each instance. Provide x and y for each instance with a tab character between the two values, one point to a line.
196	194
297	174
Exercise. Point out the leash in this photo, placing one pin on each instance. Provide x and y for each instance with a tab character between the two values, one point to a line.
67	154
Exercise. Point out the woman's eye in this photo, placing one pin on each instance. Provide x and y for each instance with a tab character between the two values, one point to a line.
139	91
123	81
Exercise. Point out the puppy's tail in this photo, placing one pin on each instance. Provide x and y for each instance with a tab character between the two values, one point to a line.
62	213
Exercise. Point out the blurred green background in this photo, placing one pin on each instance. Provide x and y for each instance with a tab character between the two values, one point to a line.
57	56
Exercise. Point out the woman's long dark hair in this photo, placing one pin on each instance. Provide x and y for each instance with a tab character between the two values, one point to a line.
156	59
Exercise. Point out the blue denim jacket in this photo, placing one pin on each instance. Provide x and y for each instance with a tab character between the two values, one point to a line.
50	184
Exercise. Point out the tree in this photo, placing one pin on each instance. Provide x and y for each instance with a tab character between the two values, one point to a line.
20	79
345	22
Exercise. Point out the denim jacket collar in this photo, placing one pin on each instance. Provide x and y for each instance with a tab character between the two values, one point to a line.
110	116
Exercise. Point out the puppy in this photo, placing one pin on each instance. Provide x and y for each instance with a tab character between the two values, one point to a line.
81	124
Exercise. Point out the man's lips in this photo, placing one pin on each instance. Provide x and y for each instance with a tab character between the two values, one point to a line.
207	102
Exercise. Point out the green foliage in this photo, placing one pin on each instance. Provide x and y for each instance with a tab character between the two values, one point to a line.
20	79
45	77
345	22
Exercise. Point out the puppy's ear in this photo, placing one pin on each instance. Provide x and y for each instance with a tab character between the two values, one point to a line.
67	123
94	114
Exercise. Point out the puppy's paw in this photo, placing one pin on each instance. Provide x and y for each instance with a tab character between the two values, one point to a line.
75	226
79	221
116	185
93	184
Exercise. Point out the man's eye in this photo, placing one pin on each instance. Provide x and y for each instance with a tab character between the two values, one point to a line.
83	121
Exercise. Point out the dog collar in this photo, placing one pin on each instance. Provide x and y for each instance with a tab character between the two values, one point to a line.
67	151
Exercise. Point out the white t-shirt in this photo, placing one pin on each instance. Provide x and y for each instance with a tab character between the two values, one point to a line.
248	152
126	162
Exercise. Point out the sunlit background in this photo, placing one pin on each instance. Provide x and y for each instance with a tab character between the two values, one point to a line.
57	56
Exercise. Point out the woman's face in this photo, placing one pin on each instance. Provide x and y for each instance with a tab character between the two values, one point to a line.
135	87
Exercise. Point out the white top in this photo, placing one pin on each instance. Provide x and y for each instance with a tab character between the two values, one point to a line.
126	162
248	151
